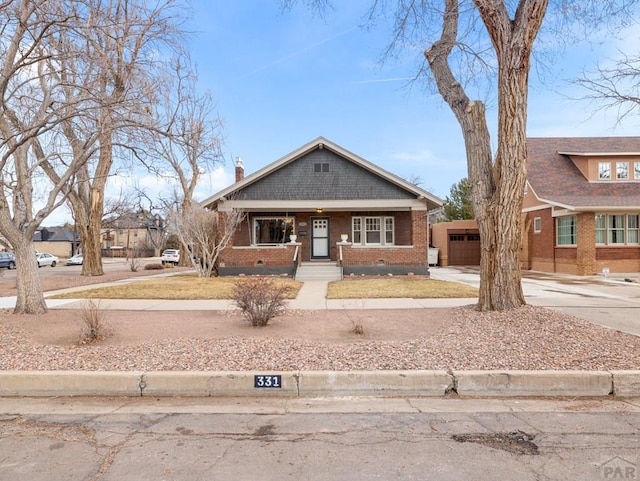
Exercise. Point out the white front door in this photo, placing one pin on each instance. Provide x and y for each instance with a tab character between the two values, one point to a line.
320	238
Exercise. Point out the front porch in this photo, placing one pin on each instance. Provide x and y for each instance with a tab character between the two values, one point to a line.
275	243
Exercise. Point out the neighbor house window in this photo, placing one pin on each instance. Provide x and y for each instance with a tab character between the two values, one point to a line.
377	230
566	230
272	230
321	167
632	229
636	170
537	224
617	228
604	170
622	170
601	229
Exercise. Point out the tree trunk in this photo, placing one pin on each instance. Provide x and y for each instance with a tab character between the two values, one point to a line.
30	298
497	188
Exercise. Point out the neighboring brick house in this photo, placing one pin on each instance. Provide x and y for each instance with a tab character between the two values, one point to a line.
581	209
299	207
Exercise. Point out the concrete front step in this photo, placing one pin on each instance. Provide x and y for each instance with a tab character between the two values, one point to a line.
318	272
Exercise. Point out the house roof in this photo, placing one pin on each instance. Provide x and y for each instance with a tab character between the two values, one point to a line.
55	234
556	180
404	190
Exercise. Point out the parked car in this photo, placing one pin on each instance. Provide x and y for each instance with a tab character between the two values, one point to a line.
7	260
170	256
75	260
45	259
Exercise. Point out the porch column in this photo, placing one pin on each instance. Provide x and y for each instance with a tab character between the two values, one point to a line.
586	247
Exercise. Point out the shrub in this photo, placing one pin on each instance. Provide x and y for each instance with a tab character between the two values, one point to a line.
95	325
260	299
153	267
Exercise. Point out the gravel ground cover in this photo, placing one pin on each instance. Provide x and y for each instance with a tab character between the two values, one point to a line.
527	338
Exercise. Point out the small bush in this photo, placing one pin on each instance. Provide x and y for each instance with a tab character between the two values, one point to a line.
153	267
260	299
95	325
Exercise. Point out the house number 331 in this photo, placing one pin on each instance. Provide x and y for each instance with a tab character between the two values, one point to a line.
267	381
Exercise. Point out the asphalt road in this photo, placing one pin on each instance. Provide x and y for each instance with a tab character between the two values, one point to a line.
317	439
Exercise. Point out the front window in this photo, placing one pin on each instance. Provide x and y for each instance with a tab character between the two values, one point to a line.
356	233
604	170
636	170
372	227
272	230
566	230
537	224
377	230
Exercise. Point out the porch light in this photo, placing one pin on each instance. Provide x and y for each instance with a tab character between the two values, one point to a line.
319	210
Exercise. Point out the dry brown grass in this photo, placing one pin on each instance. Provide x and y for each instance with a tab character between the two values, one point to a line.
179	287
398	287
191	287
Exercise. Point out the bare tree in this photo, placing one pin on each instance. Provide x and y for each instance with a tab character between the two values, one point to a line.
125	42
496	181
32	107
616	87
205	233
187	142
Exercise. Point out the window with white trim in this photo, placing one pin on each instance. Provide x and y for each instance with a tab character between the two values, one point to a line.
566	230
356	230
617	229
622	170
604	170
272	230
636	170
537	224
373	230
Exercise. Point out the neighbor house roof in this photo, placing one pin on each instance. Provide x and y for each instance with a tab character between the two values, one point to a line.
408	190
55	234
555	179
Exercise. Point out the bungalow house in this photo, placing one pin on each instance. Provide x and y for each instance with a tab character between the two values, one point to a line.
324	204
581	208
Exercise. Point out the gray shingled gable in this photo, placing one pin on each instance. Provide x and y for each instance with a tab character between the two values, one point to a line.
345	180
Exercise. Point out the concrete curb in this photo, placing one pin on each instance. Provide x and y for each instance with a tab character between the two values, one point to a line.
320	383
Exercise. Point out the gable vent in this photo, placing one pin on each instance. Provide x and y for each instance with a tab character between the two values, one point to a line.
321	167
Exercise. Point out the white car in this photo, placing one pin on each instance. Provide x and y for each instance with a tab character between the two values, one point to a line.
75	260
170	256
46	259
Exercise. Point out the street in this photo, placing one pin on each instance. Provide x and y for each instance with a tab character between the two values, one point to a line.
317	439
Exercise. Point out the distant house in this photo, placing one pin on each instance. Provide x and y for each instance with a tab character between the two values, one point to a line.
141	233
301	207
59	241
581	209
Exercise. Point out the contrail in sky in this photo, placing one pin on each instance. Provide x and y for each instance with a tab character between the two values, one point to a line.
297	53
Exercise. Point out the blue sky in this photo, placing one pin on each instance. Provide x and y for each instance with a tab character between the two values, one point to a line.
281	79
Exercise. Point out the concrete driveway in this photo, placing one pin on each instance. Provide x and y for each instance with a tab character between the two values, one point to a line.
611	302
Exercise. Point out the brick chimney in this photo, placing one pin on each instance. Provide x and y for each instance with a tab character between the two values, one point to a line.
239	169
